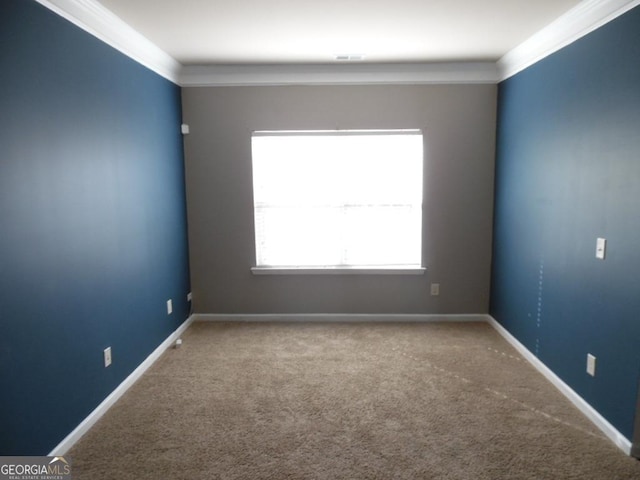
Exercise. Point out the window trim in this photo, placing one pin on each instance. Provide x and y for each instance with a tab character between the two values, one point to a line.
331	270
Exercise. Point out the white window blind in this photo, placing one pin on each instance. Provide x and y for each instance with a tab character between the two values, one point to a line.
338	198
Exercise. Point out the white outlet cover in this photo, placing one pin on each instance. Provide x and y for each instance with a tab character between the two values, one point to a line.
107	356
435	289
601	247
591	365
169	307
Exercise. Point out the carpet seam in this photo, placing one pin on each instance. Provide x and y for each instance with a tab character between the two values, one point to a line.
497	393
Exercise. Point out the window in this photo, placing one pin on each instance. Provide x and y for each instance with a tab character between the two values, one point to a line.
327	200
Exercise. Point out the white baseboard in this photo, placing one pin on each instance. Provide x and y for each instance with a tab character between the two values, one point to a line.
63	447
336	317
598	420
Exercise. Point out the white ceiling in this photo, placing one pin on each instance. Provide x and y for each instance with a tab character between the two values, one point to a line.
208	32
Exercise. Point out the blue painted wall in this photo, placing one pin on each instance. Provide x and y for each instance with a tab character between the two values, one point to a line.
92	222
567	172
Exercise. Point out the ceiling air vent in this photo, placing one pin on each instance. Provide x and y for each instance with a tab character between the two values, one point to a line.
350	57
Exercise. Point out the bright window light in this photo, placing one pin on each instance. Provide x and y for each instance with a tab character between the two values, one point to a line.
338	198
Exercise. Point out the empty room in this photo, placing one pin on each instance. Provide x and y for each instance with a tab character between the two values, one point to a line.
320	240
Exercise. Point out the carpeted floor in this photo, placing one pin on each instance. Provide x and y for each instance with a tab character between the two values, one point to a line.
345	401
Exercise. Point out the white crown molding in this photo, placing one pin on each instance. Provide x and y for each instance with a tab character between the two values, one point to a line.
92	17
581	20
331	74
586	17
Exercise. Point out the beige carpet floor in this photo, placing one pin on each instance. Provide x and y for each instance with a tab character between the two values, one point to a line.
345	401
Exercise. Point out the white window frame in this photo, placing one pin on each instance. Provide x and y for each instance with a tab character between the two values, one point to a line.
412	269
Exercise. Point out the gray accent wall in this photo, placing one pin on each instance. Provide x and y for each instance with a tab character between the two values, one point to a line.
459	124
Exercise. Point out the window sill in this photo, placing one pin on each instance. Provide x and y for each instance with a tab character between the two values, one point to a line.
338	270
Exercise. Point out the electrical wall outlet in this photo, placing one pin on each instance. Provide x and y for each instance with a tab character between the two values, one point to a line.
591	365
601	248
169	307
107	357
189	297
435	289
